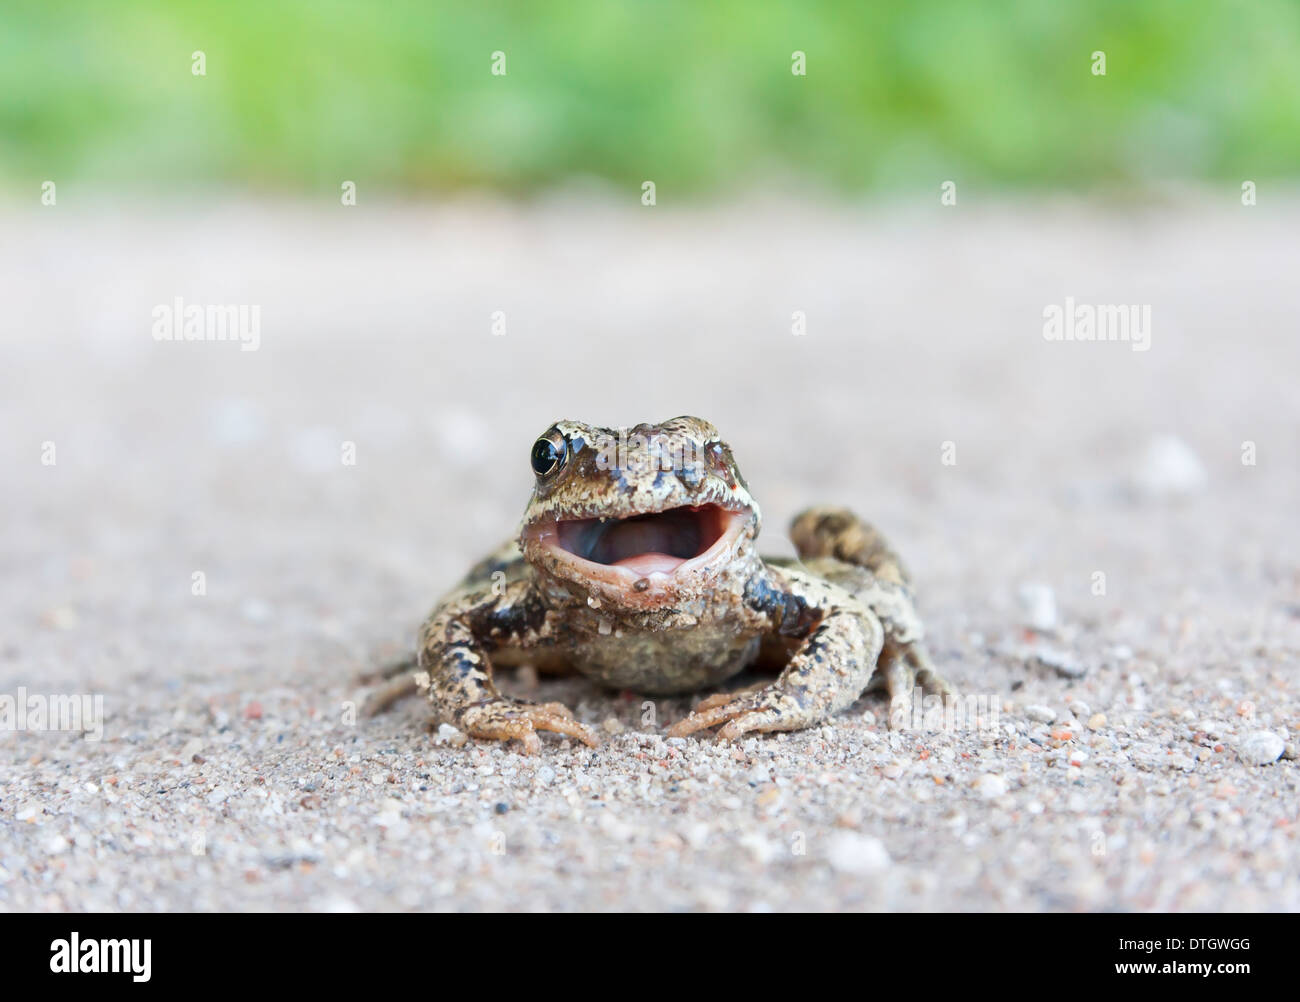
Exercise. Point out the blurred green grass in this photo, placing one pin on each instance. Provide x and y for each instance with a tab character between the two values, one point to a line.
697	96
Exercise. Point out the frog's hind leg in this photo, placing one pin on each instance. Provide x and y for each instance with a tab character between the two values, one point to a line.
838	533
837	545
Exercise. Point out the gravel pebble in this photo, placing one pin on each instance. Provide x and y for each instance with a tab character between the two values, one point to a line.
1038	607
857	854
1169	469
449	735
1059	662
1040	713
1261	748
990	786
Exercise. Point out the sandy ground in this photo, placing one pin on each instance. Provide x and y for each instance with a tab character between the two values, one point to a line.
230	773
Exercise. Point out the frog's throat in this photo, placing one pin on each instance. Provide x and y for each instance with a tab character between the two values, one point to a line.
642	554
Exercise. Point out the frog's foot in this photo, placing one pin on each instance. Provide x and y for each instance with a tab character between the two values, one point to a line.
723	698
407	664
770	707
501	719
389	693
900	673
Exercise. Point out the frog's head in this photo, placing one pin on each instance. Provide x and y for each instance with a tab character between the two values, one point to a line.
637	518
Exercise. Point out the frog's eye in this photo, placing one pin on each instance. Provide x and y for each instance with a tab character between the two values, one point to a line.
549	453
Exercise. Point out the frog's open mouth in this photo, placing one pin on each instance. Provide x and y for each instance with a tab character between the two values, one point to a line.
641	545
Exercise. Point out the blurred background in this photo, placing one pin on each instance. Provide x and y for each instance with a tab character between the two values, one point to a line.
697	96
800	280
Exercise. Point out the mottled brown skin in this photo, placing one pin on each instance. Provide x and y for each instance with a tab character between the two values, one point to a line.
837	621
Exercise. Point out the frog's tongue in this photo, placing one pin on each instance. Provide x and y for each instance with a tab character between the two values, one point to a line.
644	544
646	564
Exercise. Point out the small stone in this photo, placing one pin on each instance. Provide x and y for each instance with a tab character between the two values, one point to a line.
218	796
612	725
1080	709
1097	721
62	618
1289	752
448	735
1059	662
855	853
762	850
990	786
1042	714
1169	469
1038	605
1261	748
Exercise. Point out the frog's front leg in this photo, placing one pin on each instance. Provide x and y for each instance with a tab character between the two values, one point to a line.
454	652
841	641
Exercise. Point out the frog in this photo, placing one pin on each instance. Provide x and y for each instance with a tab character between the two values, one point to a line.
635	565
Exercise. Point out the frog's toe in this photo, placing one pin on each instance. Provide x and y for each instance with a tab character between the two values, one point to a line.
768	708
905	672
775	715
899	681
929	679
933	684
711	712
724	698
503	719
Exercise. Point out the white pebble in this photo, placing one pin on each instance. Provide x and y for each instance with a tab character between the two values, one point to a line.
1042	714
1038	603
761	849
1169	469
1261	748
851	852
991	786
1060	662
448	735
